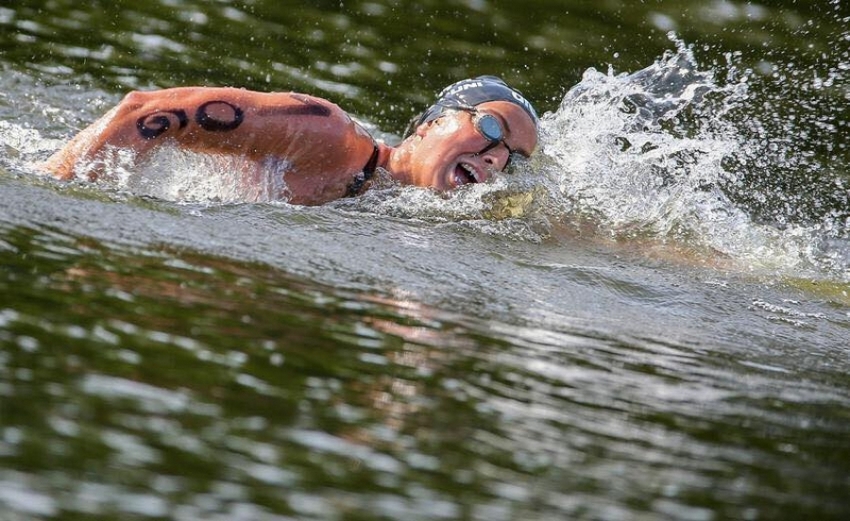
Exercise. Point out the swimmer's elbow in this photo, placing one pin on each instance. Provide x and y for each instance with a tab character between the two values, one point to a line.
134	99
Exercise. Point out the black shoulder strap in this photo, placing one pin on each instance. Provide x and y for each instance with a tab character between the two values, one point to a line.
361	178
371	165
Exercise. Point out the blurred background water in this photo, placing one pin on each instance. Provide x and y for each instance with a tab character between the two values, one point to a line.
648	320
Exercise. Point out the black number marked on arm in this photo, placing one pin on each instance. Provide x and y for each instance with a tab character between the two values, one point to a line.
228	116
157	123
208	122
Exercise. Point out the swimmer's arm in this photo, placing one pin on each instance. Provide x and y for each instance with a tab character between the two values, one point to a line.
214	120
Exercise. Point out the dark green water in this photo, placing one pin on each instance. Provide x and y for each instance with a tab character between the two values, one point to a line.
650	320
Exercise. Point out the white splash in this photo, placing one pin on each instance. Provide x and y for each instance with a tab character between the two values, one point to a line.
183	176
647	155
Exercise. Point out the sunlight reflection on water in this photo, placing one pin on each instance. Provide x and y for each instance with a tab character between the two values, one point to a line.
574	340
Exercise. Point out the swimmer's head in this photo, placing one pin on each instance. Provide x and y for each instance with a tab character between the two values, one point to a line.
469	134
468	94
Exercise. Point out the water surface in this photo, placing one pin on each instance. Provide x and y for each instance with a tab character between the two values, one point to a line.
648	320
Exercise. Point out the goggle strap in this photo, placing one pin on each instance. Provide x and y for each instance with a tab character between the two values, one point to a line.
491	146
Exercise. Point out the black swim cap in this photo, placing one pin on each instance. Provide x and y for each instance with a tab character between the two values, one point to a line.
470	93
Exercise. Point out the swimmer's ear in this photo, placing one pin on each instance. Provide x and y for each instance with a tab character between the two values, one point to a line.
411	127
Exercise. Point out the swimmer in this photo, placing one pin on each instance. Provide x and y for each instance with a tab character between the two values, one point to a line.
470	133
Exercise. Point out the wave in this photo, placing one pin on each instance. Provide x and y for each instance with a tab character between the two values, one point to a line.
674	154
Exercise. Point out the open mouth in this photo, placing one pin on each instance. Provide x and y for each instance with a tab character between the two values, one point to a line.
465	174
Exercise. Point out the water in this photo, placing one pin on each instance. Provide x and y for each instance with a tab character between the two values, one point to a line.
648	320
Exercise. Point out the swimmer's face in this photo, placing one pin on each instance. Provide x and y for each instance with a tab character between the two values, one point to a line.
461	147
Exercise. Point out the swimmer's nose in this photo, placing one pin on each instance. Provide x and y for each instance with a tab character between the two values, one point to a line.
496	158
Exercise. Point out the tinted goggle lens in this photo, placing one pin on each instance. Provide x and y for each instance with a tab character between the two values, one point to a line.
489	127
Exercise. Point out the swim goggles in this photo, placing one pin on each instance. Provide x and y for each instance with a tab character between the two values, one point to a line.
491	129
